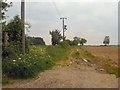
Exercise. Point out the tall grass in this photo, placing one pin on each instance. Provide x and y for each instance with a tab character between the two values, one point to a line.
112	69
86	54
81	53
58	52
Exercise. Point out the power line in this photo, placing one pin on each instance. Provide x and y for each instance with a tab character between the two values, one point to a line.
57	10
63	18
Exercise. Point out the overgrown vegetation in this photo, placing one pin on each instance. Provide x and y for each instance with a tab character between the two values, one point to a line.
29	65
113	70
81	53
101	62
86	54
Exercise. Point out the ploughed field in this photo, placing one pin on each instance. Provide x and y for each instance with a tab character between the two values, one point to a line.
106	52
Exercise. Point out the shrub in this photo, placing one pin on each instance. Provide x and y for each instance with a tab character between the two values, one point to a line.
64	44
29	65
26	66
9	51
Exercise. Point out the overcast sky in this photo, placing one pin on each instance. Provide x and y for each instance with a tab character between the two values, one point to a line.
88	19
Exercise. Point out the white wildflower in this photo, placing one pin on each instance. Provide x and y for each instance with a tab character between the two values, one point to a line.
19	58
14	60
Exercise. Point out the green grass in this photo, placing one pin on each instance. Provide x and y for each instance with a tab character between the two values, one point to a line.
81	53
112	70
57	52
76	54
86	54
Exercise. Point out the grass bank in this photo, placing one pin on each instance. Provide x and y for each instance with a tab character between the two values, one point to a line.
80	53
105	63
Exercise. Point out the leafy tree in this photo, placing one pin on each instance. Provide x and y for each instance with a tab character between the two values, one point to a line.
82	41
36	40
56	37
106	40
14	28
3	8
75	41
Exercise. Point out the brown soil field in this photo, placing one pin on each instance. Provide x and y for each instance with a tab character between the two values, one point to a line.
109	52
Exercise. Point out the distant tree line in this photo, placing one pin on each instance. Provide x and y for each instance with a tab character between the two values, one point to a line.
57	37
36	40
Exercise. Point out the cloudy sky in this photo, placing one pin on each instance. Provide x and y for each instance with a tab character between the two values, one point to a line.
89	19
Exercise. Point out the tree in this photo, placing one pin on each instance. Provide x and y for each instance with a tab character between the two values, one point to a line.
14	28
56	37
82	41
36	40
106	40
3	8
75	41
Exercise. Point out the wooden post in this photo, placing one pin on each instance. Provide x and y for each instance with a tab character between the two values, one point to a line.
23	19
63	28
6	39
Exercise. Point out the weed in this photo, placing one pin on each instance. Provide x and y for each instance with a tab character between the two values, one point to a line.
86	54
112	70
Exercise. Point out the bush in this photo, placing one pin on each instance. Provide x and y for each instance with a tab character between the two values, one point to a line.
26	66
9	51
64	44
37	60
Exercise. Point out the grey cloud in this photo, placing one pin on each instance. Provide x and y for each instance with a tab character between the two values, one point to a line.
84	19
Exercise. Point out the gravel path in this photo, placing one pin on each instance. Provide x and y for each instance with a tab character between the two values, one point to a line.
69	77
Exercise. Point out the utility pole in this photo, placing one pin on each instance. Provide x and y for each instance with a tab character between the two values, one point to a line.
23	21
6	39
64	27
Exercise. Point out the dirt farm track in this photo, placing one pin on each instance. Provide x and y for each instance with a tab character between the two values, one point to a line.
75	75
